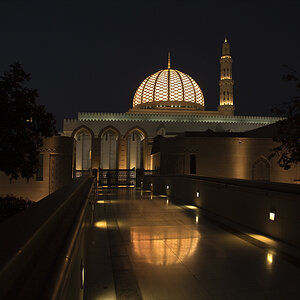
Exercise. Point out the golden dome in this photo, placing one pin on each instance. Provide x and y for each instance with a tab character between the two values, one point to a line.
169	88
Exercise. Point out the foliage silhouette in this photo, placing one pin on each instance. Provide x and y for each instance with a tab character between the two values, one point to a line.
23	124
288	135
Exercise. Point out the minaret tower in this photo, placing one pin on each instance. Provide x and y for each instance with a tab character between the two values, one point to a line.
226	83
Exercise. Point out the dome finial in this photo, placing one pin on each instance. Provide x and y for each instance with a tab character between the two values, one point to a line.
169	60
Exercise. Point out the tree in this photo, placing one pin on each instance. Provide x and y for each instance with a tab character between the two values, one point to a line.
288	135
23	124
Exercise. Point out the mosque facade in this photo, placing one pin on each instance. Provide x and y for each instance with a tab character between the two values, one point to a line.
167	103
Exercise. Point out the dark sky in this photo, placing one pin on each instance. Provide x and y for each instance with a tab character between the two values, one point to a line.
92	55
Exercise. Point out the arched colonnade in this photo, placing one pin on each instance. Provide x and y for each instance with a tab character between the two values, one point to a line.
110	150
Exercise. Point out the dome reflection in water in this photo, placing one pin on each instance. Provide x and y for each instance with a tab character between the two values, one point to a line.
164	245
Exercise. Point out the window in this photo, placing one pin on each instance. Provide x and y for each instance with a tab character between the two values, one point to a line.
192	164
39	174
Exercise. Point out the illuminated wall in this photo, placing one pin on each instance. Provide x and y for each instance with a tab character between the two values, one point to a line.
227	157
57	155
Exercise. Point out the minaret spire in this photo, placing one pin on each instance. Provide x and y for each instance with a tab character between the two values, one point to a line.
226	82
169	60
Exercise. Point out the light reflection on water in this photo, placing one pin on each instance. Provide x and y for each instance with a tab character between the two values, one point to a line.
164	245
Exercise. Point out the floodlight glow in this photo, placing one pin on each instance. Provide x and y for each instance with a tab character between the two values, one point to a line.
197	219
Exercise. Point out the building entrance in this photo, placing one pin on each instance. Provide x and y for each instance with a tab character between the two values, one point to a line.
117	177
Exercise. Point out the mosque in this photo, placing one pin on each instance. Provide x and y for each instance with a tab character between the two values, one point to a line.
167	103
167	129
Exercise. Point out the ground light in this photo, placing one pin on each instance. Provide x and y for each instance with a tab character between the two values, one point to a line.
272	215
270	258
101	224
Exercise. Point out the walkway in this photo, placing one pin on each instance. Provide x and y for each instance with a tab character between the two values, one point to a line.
145	247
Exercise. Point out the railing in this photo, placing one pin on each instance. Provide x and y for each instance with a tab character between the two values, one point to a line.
113	177
42	255
80	173
151	172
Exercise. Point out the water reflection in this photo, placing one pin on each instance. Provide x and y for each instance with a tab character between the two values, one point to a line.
164	245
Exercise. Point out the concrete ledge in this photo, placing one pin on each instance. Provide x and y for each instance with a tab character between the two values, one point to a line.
32	241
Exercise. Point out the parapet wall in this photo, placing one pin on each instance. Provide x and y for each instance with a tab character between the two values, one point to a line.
156	117
248	203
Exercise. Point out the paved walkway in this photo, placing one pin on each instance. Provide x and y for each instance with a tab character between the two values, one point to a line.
144	246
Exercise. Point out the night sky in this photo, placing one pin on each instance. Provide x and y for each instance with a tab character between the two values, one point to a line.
92	55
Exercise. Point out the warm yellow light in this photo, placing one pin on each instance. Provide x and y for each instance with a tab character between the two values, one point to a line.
100	224
191	207
164	245
270	258
168	186
167	86
198	194
82	277
263	238
271	216
101	201
197	219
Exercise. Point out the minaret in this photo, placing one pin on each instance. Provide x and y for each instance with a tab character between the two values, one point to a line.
226	83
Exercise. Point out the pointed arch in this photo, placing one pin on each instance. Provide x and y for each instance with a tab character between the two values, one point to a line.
83	128
161	130
138	129
136	140
83	141
261	169
109	139
107	128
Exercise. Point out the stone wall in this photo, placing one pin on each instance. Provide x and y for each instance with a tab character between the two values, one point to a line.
57	171
228	157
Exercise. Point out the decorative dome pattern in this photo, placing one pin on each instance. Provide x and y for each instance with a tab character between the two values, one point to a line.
169	88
